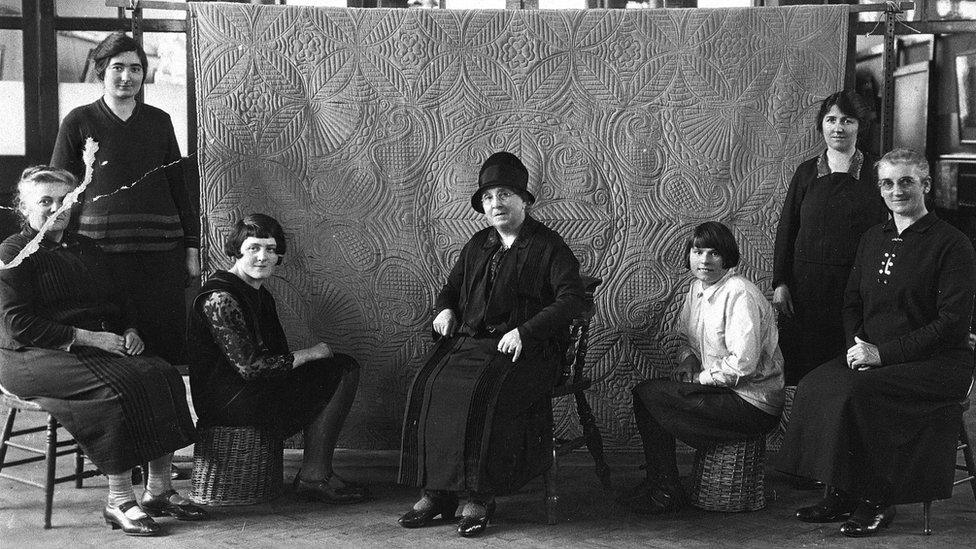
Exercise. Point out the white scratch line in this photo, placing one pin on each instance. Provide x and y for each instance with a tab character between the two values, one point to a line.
141	179
88	155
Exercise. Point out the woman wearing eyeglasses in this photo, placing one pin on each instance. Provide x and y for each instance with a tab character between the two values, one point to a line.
873	424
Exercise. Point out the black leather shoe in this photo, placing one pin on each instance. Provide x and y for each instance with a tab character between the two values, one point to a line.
143	526
321	490
470	527
634	494
161	505
659	500
835	506
869	518
445	507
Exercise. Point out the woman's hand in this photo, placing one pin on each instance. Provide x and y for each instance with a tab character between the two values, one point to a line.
511	343
445	323
782	301
687	370
863	355
318	351
133	343
106	341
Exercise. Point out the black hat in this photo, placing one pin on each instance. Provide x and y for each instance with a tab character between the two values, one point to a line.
502	169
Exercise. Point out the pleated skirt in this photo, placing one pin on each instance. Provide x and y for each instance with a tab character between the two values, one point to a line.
475	421
124	411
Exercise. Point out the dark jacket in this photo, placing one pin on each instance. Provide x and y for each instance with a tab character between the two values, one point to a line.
548	292
61	286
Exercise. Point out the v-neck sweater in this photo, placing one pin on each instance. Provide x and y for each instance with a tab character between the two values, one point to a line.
157	212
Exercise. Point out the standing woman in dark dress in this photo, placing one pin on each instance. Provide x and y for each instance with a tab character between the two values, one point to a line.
832	200
149	232
68	342
243	374
879	423
479	418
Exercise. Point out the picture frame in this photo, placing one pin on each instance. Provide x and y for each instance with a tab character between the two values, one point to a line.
966	89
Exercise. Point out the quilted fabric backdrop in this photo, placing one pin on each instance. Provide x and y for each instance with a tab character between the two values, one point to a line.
362	131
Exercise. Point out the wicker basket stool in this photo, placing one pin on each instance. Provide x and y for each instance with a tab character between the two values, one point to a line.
236	466
731	477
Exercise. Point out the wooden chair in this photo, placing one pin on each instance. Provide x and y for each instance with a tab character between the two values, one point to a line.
49	453
968	465
573	382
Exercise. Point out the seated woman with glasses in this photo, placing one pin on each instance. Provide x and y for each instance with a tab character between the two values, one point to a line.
243	374
68	342
728	385
870	423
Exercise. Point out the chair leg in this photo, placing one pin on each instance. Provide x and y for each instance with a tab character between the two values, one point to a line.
552	498
50	461
967	454
8	426
926	517
79	467
594	441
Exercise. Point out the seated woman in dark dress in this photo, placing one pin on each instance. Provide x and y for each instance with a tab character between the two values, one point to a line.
479	418
68	342
871	423
242	373
728	385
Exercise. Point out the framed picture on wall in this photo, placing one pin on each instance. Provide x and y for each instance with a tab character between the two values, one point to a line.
966	85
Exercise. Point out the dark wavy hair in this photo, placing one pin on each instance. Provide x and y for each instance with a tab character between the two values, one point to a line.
114	44
714	235
259	226
850	104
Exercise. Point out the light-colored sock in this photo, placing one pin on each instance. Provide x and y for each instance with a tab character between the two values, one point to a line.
473	509
120	489
160	475
425	504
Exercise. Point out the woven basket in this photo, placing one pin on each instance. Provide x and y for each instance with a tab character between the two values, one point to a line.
731	477
236	466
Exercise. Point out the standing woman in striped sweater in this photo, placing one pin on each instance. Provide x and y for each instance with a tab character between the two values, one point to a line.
150	232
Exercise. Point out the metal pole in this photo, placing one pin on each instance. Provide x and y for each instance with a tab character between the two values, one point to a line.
888	85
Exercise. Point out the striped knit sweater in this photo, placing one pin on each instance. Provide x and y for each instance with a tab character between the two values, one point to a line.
157	213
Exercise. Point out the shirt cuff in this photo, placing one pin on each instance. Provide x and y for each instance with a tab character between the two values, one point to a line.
705	378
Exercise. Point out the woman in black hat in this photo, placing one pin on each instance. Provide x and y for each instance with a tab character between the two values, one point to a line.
478	421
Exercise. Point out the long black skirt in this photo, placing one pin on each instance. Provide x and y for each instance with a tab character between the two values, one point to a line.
815	334
476	421
897	423
124	411
283	404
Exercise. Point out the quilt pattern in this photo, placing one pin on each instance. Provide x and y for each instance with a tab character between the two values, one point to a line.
362	131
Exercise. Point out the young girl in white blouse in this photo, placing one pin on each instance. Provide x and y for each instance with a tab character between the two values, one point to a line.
728	384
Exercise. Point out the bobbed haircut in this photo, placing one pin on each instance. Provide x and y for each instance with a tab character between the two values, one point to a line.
259	226
115	44
41	174
850	104
906	157
714	235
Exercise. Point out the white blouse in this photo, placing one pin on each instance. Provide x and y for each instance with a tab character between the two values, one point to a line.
730	328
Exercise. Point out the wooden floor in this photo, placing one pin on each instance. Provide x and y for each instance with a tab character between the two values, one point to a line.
590	518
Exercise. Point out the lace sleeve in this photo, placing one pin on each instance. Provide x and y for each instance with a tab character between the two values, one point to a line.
226	320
